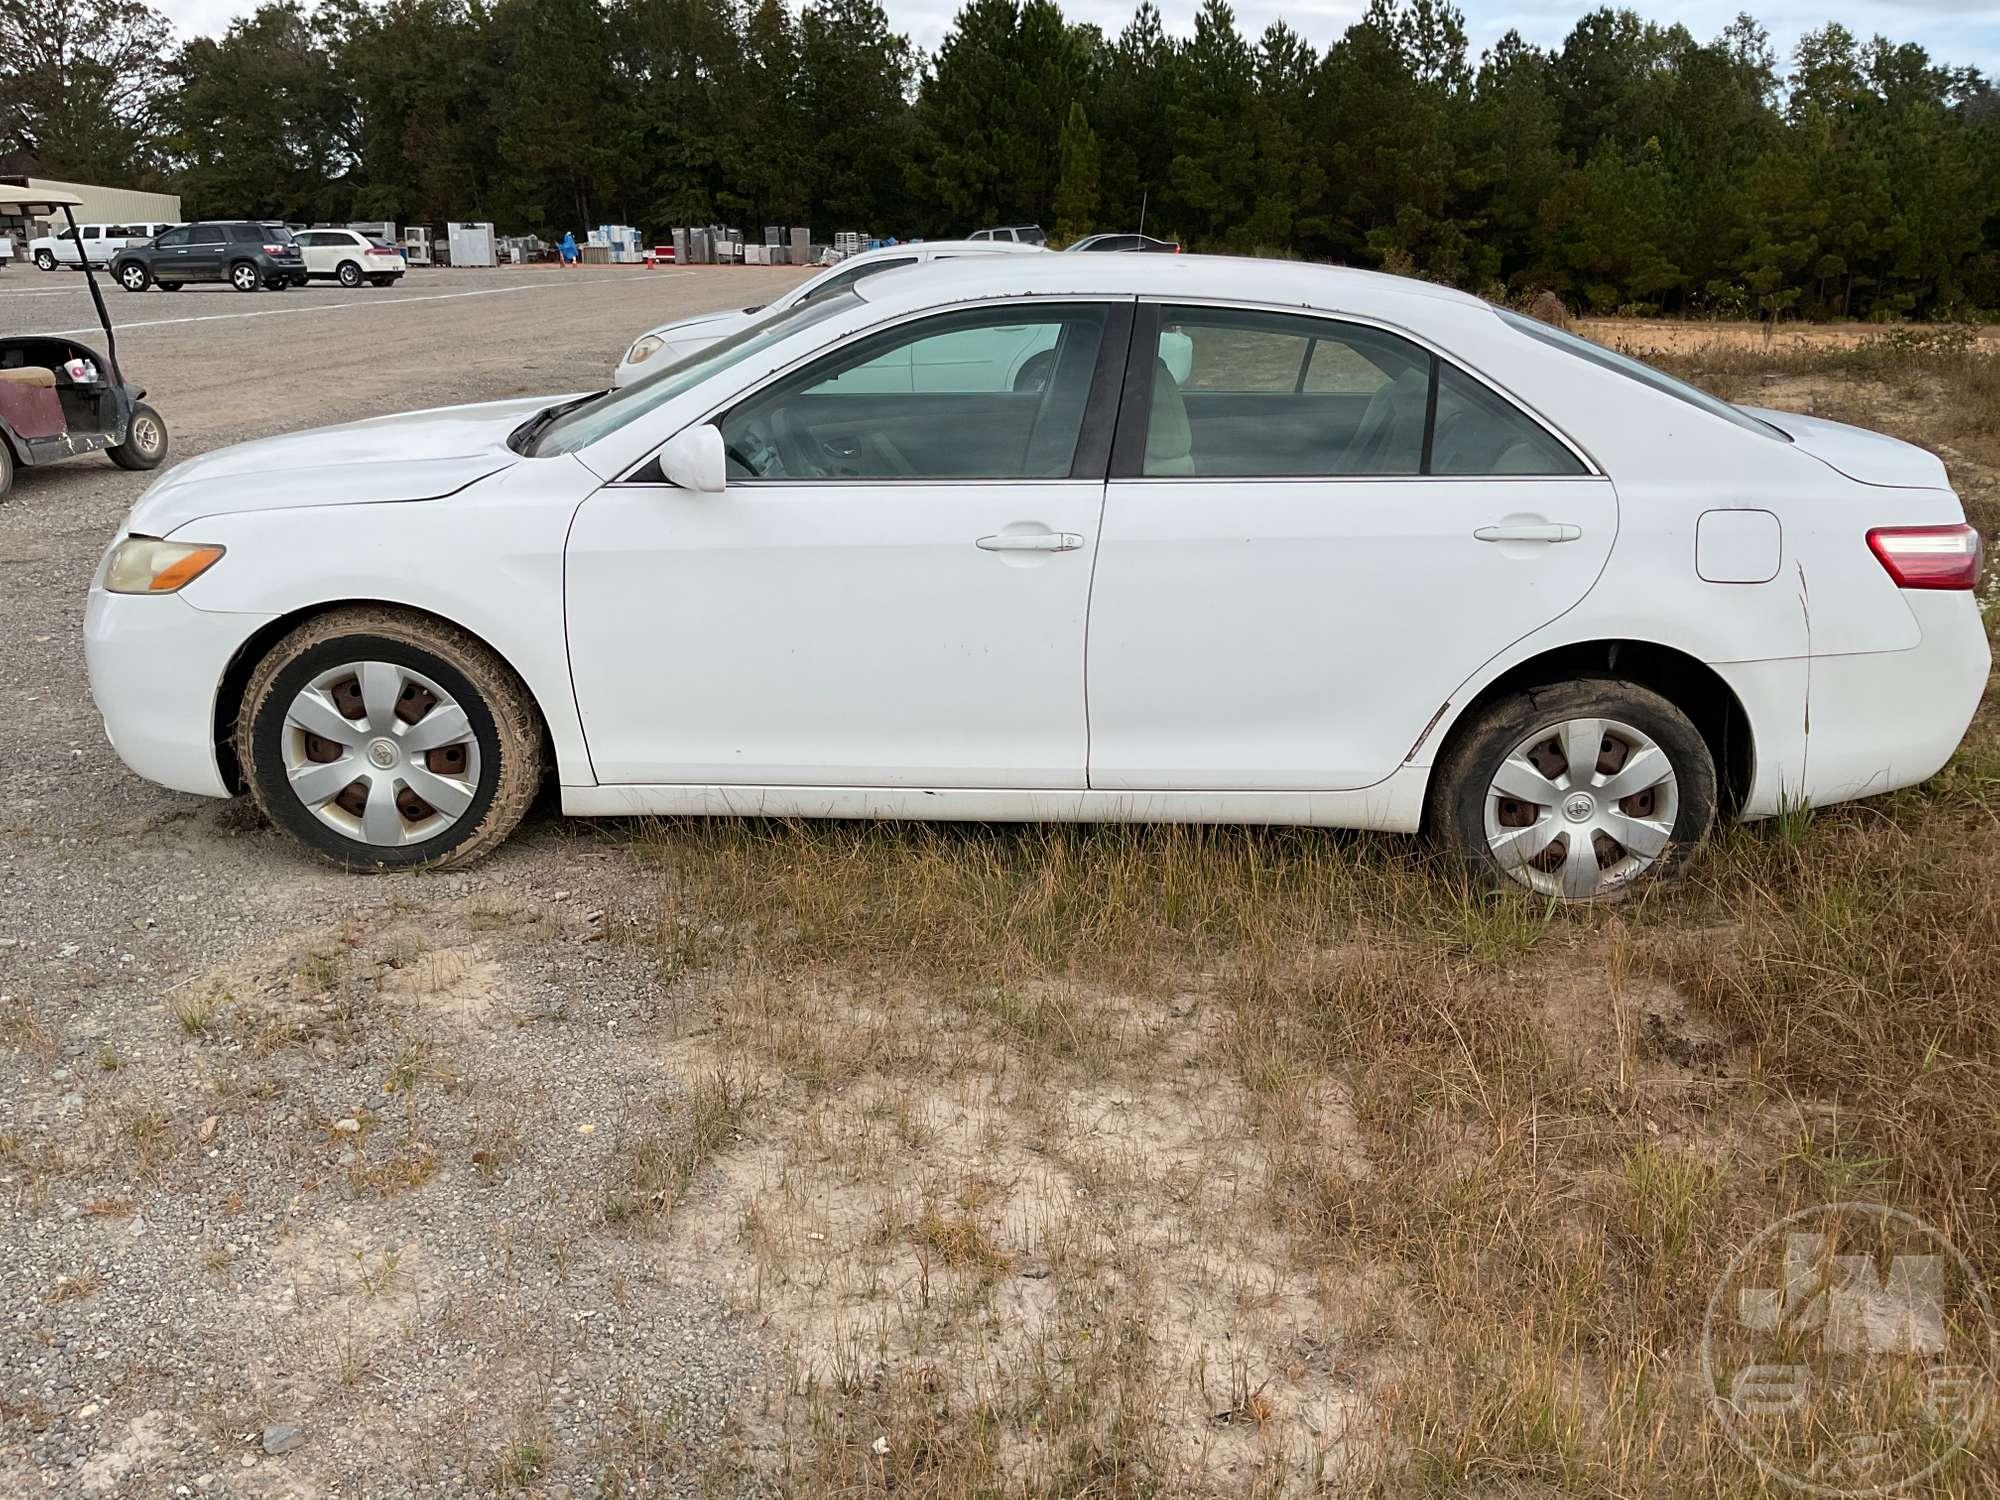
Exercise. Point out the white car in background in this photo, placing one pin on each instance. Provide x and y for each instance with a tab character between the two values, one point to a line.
1386	556
100	241
658	347
349	257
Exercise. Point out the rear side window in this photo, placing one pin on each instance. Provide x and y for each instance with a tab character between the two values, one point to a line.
246	234
205	234
1276	395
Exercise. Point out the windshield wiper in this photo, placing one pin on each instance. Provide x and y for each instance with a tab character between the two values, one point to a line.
523	438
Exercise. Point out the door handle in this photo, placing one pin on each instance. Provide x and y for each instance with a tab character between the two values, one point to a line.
1546	531
1030	541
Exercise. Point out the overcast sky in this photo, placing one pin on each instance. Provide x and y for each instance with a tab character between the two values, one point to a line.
1955	31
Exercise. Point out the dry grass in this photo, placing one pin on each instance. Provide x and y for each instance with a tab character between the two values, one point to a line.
1223	1161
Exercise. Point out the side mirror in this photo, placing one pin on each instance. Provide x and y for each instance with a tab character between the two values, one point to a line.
693	459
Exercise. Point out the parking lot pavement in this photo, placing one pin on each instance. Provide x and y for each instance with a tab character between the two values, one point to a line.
121	904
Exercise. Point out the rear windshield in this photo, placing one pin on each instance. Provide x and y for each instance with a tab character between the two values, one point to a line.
1646	375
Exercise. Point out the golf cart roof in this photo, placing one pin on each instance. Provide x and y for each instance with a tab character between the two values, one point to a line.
33	202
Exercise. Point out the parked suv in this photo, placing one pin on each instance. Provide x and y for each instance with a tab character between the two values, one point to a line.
350	257
101	241
1024	234
247	255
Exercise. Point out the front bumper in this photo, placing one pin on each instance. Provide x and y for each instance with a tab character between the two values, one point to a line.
156	663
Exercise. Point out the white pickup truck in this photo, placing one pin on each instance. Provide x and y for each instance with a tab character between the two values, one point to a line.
100	241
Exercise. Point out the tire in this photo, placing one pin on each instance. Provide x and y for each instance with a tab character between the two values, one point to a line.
349	274
44	261
243	276
145	445
382	280
1526	838
168	286
500	741
6	469
134	277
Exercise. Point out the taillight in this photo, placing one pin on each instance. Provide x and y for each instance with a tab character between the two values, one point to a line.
276	249
1929	557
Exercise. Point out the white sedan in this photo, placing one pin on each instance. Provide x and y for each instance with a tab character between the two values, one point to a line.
1386	557
671	341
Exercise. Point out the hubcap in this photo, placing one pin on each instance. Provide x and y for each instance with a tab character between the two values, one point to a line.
1581	808
380	754
146	434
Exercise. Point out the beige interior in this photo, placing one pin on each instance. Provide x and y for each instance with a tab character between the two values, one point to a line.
30	375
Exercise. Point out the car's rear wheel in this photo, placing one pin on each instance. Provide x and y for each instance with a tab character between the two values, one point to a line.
380	739
350	274
133	276
169	286
145	445
382	280
243	276
1577	790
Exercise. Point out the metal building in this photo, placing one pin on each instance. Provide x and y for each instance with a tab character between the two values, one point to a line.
109	205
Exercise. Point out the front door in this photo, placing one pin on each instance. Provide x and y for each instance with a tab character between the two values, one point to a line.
1313	533
892	590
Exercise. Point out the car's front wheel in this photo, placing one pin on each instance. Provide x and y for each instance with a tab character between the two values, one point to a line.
1576	790
133	276
381	739
44	261
169	286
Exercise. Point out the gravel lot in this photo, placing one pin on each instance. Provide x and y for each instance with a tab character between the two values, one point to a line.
282	1148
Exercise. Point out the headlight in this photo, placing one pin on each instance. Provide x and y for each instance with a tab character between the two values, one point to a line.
644	350
146	565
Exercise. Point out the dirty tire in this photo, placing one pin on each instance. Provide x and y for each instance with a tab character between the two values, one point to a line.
1456	812
504	719
6	468
145	445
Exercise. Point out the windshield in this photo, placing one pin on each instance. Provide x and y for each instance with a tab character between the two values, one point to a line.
602	415
1645	374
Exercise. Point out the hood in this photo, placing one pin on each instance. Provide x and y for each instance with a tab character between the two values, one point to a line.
681	339
1864	456
422	455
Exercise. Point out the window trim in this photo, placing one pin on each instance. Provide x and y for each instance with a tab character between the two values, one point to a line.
1128	455
1095	434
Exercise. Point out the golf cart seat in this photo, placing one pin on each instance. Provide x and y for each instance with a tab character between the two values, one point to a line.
30	375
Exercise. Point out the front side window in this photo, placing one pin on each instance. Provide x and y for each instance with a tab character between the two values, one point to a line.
176	237
604	414
996	393
1276	395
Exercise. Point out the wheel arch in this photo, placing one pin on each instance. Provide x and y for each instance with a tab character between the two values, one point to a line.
1687	682
236	677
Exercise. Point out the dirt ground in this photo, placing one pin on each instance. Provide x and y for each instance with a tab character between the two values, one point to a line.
1675	338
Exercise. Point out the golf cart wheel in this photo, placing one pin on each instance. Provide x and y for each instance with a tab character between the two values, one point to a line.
243	276
145	445
381	739
44	261
134	277
1579	790
6	469
350	275
168	286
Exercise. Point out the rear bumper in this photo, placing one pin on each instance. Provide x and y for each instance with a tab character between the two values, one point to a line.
156	664
1833	728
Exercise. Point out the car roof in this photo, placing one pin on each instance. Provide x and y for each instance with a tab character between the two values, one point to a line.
1221	277
941	247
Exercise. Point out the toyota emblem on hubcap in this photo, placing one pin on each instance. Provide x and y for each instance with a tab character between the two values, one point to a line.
382	753
1579	807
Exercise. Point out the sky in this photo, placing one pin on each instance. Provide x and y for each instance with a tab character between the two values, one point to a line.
1954	31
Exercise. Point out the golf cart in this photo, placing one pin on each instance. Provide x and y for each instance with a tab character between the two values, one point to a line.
58	399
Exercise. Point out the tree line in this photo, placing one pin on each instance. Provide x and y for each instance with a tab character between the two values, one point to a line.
1630	167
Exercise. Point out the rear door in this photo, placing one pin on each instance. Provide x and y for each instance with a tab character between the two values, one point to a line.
1310	539
202	255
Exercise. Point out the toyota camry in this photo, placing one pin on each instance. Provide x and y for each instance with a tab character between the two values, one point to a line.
961	541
